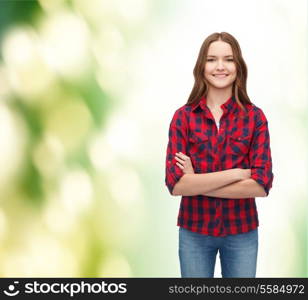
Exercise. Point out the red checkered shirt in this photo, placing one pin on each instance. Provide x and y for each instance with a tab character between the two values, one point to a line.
241	141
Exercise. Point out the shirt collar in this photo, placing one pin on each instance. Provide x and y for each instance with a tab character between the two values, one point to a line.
228	106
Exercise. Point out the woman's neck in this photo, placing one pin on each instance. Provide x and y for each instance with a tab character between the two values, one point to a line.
216	97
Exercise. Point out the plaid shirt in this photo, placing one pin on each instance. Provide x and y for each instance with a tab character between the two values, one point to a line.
242	141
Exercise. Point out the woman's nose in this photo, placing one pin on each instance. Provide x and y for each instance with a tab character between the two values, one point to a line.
220	65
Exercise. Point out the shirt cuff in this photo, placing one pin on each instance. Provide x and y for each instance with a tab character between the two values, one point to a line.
173	175
258	176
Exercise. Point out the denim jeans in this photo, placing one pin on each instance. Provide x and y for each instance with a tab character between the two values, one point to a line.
238	254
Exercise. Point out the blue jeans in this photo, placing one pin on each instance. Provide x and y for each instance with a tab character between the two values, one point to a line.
238	254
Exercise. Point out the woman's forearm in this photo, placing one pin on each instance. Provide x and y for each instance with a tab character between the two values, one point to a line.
200	184
247	188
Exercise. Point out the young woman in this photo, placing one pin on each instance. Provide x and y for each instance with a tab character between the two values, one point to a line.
219	160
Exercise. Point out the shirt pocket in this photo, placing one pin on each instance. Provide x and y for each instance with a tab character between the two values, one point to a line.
199	144
239	144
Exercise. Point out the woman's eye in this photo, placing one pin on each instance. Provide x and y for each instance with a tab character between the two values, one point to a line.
230	59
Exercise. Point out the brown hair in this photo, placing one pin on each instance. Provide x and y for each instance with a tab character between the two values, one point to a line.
200	87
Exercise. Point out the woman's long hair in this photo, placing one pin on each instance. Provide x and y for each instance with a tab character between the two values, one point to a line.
200	87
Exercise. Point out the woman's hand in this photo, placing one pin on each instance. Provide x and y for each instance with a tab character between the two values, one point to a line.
184	163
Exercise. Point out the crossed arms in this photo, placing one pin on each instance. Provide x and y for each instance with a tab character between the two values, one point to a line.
232	183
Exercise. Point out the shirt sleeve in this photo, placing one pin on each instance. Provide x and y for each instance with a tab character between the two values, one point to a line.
177	143
260	154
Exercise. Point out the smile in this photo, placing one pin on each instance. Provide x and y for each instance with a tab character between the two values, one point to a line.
220	75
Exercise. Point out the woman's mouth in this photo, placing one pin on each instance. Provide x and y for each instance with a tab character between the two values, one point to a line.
220	75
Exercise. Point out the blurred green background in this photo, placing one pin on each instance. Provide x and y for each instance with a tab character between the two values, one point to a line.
77	191
87	91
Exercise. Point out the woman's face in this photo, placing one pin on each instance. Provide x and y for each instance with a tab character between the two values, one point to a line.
220	69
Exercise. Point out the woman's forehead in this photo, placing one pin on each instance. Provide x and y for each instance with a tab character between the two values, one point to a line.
219	48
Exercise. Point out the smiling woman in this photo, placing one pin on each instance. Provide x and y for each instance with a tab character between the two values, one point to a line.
220	69
219	170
